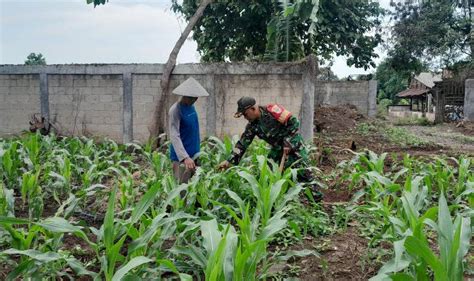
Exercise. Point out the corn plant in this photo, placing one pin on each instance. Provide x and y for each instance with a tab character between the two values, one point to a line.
32	146
7	201
10	165
31	192
36	259
414	255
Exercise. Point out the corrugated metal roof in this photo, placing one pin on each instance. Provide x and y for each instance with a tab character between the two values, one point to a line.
428	78
412	93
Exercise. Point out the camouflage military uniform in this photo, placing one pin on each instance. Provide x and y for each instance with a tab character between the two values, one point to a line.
278	135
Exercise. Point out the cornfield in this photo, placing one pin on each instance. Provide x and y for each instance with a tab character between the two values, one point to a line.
73	208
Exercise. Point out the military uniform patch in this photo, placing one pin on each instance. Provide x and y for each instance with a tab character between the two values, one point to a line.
279	113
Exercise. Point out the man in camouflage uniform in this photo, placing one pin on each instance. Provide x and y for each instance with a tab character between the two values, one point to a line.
276	126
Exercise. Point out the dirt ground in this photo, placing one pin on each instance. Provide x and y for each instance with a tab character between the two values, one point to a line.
342	256
345	255
447	135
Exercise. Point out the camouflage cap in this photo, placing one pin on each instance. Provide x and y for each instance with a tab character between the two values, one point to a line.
243	104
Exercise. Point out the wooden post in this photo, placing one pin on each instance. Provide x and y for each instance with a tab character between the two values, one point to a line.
440	103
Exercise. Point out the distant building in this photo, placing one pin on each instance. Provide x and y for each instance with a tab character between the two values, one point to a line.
421	97
419	91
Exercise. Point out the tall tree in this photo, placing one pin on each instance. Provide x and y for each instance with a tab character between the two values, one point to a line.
439	32
35	59
238	30
393	78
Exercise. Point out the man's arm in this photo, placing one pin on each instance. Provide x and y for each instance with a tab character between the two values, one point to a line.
175	137
242	145
292	131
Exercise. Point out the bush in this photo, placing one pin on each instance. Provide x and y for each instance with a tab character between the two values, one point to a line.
382	107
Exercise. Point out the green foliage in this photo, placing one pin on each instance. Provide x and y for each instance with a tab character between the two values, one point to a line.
437	32
423	121
382	107
142	214
390	79
396	135
220	225
399	203
35	59
404	138
97	2
285	30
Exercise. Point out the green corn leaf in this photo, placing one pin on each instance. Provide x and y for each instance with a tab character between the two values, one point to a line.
253	183
59	225
78	268
12	220
133	263
418	248
21	269
109	220
211	236
402	277
275	224
191	251
34	254
145	202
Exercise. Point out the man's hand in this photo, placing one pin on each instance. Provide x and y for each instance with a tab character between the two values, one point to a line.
224	165
189	163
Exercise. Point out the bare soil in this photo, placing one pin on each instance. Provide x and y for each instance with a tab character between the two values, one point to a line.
344	256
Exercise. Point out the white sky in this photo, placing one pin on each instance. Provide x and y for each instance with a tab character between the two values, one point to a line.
70	31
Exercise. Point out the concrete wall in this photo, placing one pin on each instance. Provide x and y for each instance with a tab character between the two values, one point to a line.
86	104
89	99
19	97
283	89
118	101
469	100
403	111
362	94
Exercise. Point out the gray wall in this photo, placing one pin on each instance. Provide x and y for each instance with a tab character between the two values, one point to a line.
117	101
362	94
469	100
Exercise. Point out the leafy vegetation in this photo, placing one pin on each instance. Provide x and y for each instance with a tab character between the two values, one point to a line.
286	30
71	207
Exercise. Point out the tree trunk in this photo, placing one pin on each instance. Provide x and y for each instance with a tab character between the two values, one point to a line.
159	116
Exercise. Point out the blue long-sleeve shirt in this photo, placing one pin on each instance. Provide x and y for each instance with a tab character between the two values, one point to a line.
184	131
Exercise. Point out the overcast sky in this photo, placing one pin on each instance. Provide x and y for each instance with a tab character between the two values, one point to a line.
69	31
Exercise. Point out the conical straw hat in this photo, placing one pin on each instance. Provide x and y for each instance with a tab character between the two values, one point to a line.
190	88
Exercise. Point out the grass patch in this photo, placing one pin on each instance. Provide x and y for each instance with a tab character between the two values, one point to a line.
366	129
404	138
409	121
459	137
396	135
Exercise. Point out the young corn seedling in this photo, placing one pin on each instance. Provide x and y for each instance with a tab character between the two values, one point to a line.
31	192
11	164
42	261
32	146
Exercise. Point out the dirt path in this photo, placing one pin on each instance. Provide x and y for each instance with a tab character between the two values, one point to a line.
445	135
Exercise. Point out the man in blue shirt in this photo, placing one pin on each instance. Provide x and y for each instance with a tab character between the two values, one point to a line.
184	129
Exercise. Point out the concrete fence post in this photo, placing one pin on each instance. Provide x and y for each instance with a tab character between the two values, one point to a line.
440	104
211	108
44	98
307	102
372	99
127	112
469	100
